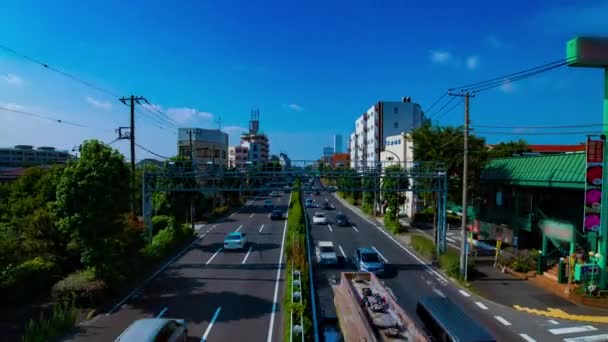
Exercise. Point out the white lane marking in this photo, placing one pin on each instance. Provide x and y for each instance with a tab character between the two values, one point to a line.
276	283
552	321
437	291
252	215
481	305
435	273
213	256
239	228
502	320
420	231
269	215
594	338
572	330
355	228
247	255
329	226
145	282
451	240
232	214
262	227
342	251
213	319
380	254
214	226
162	312
527	338
464	293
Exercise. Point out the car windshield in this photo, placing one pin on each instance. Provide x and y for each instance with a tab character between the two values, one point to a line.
233	237
340	217
320	215
327	249
276	212
370	257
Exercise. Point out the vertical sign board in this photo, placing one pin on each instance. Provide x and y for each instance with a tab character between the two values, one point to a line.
593	185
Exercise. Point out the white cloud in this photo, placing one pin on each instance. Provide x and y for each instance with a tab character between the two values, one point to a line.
440	56
295	107
12	79
472	62
12	106
106	105
507	87
184	114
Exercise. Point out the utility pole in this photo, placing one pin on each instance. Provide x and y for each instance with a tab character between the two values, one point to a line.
191	165
132	99
464	248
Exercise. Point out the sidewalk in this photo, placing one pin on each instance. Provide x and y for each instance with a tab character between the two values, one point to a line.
504	288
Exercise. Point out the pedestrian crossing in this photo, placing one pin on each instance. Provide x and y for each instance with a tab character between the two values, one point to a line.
569	332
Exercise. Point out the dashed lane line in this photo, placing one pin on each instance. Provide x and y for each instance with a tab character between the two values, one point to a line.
213	319
572	330
239	228
342	251
481	305
247	255
527	338
380	254
213	256
355	228
437	291
162	312
464	293
329	226
502	320
552	321
262	227
252	215
594	338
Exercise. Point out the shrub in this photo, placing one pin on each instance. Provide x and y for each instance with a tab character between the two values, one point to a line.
367	208
426	215
423	245
161	244
80	288
161	222
221	211
450	262
392	224
60	321
26	280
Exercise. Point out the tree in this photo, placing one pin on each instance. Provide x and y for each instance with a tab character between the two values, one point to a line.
92	196
507	149
394	179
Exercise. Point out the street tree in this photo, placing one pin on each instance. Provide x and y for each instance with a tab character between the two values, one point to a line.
394	179
92	196
507	149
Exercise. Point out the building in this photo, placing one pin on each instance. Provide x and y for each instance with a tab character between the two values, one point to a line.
238	156
338	143
284	161
399	150
27	155
210	146
274	158
550	149
328	151
384	119
340	159
256	142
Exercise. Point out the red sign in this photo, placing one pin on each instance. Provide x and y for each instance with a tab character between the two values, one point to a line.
595	151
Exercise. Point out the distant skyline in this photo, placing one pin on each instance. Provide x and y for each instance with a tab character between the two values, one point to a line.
310	67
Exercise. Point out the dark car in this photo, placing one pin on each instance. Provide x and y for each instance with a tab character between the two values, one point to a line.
326	206
317	193
341	220
276	215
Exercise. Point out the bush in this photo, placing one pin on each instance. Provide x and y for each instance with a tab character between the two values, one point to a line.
26	280
221	211
161	222
392	224
166	240
450	262
423	245
60	321
80	288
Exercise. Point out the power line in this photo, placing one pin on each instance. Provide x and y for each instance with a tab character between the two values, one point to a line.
482	83
443	107
39	116
511	80
436	101
542	126
449	110
540	133
61	72
163	114
151	152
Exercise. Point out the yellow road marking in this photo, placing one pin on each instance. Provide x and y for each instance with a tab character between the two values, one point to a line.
558	313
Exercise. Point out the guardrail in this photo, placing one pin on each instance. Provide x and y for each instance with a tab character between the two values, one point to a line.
313	297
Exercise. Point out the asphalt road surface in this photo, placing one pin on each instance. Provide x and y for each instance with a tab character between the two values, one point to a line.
224	296
410	278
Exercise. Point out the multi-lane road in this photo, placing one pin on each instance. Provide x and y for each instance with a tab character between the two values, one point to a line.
224	296
411	278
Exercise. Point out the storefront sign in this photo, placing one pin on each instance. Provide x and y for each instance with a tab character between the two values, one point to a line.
593	185
557	230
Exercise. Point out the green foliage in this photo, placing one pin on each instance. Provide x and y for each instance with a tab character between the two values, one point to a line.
450	263
92	195
507	149
166	240
26	280
525	262
80	288
426	215
423	245
392	223
61	319
161	222
221	211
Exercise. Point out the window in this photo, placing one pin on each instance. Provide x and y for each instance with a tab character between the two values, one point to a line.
396	110
224	154
396	125
166	332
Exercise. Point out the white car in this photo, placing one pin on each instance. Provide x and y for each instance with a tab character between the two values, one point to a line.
235	240
319	218
325	253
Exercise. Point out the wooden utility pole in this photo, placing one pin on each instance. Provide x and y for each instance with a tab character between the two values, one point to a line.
464	248
132	99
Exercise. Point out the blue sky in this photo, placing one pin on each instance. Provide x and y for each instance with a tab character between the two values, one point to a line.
310	67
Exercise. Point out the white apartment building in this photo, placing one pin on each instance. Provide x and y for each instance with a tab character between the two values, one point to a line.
210	146
238	156
384	119
399	150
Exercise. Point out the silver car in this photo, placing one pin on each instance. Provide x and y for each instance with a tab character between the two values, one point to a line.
155	329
